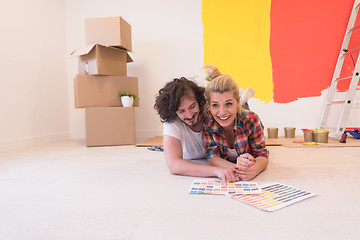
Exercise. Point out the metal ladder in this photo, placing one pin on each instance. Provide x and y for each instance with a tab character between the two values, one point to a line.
336	78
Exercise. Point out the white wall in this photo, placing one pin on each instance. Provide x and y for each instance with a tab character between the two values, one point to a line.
33	92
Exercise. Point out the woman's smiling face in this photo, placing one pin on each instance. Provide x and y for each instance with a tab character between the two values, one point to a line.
223	107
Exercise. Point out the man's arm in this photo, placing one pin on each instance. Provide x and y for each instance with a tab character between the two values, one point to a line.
179	166
220	162
231	173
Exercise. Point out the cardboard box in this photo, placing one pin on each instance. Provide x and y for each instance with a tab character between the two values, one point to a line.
108	31
100	60
102	91
110	126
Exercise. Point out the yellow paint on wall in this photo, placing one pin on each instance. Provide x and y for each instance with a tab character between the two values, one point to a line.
237	40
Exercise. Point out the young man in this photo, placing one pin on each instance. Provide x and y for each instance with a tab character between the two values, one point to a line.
180	105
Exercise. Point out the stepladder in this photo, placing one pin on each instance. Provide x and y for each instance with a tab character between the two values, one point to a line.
349	52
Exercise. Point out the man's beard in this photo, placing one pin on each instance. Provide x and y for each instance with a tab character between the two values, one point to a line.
193	122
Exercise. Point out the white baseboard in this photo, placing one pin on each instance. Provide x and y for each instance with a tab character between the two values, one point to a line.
17	143
78	135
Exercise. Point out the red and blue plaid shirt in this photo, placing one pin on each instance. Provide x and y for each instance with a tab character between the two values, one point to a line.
249	136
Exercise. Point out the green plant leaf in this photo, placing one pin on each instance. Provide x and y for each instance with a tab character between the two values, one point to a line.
121	94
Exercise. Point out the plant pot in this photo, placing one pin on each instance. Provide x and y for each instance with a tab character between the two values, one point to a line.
127	101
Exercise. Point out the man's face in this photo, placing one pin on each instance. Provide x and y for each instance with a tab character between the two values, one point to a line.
189	111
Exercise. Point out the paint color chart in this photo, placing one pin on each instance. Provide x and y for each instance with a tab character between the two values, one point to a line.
205	186
274	197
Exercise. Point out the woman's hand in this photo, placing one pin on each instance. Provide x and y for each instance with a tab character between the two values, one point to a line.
228	175
249	173
245	160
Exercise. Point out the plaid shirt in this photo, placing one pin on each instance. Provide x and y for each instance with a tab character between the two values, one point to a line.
249	136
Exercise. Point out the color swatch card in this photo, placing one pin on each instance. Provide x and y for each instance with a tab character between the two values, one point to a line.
206	186
274	197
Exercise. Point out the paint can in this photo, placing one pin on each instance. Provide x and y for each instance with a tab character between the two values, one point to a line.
308	135
272	132
289	132
321	136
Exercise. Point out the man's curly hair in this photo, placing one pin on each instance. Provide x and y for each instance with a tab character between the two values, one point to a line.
167	101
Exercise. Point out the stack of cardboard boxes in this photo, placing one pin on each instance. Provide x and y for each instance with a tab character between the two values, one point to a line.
102	75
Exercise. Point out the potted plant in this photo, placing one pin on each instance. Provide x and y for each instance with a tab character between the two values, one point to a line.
127	98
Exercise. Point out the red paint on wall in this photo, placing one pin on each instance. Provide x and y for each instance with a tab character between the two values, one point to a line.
305	41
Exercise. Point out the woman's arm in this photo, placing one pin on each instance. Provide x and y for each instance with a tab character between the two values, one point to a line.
249	167
249	173
229	173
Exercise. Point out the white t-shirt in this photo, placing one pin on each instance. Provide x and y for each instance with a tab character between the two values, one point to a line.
192	143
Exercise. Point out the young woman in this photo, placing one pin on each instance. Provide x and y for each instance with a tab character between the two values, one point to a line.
234	137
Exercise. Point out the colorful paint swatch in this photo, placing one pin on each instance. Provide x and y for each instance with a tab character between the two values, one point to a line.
274	197
206	186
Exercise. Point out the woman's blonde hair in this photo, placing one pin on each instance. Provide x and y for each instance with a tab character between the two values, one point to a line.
219	83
